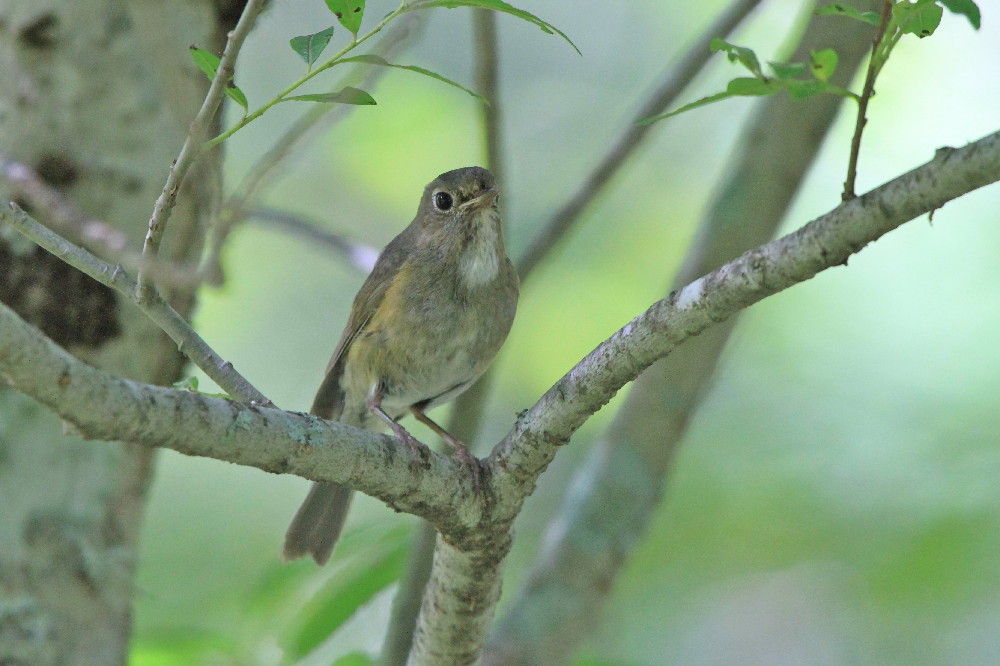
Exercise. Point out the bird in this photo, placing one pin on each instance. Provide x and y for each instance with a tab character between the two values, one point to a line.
425	325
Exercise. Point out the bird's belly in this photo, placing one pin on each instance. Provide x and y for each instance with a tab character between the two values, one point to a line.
434	373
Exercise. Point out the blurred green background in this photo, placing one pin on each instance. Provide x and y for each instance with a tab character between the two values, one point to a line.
836	499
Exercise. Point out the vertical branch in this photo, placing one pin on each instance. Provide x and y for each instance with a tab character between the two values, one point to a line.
466	414
192	147
874	66
406	604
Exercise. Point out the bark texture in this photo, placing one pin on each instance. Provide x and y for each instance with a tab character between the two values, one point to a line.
613	496
96	99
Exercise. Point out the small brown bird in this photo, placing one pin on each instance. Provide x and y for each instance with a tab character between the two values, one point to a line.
424	326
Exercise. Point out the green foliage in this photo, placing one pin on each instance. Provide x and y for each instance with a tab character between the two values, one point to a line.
208	63
497	6
840	9
348	12
188	383
310	47
823	64
787	76
966	8
354	586
382	62
919	17
740	54
346	95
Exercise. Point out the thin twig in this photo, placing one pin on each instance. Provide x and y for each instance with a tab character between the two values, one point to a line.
677	79
874	66
76	226
318	118
188	342
358	255
192	147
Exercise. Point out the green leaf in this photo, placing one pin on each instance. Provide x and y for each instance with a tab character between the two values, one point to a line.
348	12
345	594
840	9
355	659
749	87
189	384
740	54
967	8
208	63
787	70
237	96
823	64
346	95
917	18
497	6
802	88
310	47
704	101
382	62
741	87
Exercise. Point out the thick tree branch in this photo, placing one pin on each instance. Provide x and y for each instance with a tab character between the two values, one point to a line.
458	605
101	406
823	243
476	521
464	422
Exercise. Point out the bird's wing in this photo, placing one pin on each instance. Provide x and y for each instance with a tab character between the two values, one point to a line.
329	400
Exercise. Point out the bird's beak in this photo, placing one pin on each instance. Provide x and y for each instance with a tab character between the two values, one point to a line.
487	198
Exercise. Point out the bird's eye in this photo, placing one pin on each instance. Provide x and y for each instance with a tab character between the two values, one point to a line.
443	201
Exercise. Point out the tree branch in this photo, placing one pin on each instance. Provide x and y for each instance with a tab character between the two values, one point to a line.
320	117
193	143
614	494
464	421
96	235
823	243
475	519
102	406
155	307
678	78
357	255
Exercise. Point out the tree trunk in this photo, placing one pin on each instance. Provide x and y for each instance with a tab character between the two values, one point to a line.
97	99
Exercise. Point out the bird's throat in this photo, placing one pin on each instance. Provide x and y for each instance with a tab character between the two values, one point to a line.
481	256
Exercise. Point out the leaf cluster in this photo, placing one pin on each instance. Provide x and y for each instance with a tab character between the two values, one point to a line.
350	14
899	18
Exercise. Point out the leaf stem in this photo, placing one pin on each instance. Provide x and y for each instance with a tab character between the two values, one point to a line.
882	45
281	97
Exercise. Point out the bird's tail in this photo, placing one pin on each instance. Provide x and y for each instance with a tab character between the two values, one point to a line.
317	524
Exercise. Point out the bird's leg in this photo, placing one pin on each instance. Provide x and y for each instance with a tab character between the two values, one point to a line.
459	449
375	406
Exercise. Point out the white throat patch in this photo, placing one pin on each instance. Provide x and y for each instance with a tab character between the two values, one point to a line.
480	262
